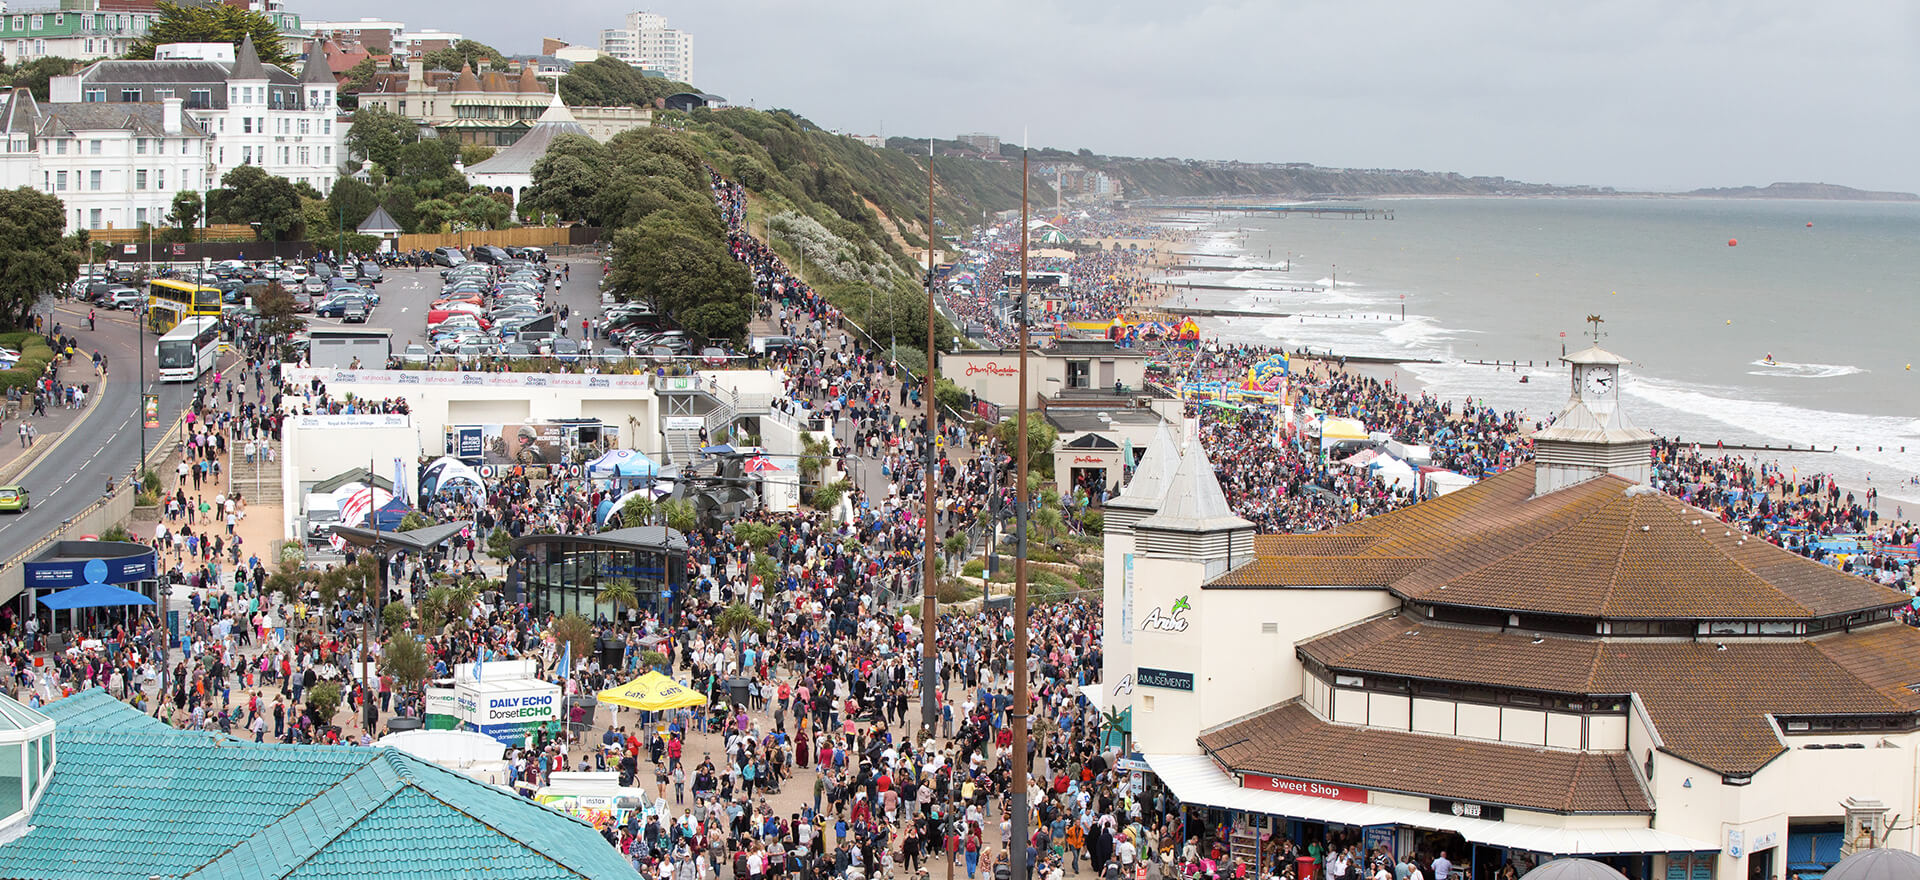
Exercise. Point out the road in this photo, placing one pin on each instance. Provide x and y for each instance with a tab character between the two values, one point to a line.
106	442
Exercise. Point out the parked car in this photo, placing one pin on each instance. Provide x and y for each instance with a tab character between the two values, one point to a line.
416	355
447	256
337	306
369	272
353	312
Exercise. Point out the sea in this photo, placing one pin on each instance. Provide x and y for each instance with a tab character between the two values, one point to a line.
1696	293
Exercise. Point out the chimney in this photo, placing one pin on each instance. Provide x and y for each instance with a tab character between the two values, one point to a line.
170	115
416	72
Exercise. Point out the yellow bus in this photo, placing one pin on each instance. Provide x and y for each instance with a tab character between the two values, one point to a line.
170	301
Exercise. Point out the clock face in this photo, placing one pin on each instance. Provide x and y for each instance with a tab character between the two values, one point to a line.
1598	382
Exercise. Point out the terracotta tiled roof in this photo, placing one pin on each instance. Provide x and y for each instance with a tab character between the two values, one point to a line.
1317	571
1291	741
1601	548
1703	699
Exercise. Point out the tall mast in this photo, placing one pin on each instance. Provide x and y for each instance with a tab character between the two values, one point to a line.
929	712
1017	714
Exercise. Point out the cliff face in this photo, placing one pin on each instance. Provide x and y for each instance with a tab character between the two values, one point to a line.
1805	191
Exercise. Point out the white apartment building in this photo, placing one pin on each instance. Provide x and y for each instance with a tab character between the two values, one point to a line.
647	43
113	165
256	114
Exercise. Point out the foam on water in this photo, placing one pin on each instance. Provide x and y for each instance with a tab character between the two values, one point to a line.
1787	370
1318	321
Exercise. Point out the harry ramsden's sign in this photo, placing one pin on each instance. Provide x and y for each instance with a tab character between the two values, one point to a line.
992	368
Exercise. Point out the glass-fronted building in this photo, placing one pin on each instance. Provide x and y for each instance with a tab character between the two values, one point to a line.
565	574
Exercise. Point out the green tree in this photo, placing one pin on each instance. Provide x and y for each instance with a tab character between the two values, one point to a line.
415	520
605	82
213	23
1049	518
1040	440
474	154
463	53
619	591
433	215
684	274
572	629
360	76
680	515
36	259
254	196
279	314
499	544
427	166
323	700
406	661
482	211
736	621
377	134
186	210
570	179
351	201
638	511
35	75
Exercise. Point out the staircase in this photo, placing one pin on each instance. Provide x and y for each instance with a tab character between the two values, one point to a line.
682	446
258	480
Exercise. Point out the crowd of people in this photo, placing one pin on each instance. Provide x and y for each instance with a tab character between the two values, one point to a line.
827	768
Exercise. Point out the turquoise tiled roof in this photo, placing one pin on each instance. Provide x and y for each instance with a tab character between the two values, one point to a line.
131	798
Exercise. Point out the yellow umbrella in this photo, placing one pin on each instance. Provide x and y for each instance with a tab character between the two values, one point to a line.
652	692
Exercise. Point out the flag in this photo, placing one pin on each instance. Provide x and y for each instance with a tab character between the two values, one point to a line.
399	479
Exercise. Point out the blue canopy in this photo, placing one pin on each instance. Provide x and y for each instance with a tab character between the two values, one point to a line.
722	449
93	596
622	463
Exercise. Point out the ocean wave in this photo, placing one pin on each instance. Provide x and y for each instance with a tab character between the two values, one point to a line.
1789	370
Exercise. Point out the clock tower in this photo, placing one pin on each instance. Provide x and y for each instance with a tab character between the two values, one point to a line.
1591	436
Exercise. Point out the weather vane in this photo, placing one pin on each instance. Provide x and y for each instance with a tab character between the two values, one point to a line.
1596	321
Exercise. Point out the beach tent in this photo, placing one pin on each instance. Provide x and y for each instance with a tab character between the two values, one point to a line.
1054	236
387	518
1395	473
626	462
445	471
652	692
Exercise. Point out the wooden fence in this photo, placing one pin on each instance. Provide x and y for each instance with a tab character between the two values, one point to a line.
526	236
138	235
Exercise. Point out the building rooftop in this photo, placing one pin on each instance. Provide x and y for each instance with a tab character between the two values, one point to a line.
1153	474
1291	742
1193	501
1692	690
519	158
1073	420
1602	548
131	798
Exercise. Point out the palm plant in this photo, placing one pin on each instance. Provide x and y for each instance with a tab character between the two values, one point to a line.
619	591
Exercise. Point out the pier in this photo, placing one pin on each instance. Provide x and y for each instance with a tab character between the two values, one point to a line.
1348	212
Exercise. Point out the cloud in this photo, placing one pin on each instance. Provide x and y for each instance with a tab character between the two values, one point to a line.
1629	93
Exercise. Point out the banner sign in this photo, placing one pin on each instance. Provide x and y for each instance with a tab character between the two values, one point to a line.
1310	789
683	423
150	410
621	382
353	420
1164	678
74	572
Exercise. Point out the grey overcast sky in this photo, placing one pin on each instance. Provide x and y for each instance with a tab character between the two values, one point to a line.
1650	94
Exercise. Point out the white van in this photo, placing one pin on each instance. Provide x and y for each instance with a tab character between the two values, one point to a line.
323	513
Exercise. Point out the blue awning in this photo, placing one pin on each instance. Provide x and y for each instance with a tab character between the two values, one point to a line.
93	596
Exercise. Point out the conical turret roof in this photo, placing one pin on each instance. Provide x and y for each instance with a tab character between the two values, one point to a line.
246	62
317	71
520	156
1153	474
1194	501
466	81
529	83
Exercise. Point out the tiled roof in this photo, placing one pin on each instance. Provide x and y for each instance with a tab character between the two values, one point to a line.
1700	696
1601	548
1317	571
1291	741
132	799
144	118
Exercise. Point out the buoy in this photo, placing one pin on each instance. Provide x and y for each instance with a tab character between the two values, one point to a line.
1733	242
1729	322
1809	224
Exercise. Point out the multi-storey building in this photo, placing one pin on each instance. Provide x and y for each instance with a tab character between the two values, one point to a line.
647	43
257	114
84	30
113	165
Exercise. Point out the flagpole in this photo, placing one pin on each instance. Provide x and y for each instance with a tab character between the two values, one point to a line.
929	581
1017	714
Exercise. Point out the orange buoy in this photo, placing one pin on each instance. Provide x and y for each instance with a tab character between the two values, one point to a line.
1809	224
1733	242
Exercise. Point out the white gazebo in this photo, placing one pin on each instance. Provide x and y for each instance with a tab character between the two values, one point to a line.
511	169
